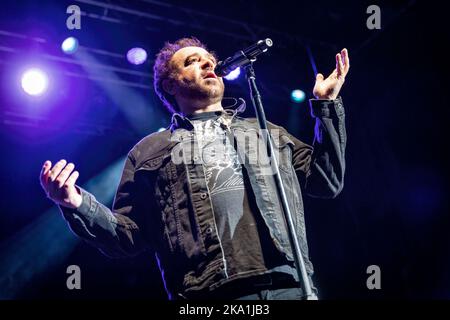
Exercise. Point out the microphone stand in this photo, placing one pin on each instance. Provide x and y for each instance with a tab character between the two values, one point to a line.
260	115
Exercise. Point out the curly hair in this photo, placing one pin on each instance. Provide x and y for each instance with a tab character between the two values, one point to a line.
163	69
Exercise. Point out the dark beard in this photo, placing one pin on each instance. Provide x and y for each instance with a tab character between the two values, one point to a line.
196	92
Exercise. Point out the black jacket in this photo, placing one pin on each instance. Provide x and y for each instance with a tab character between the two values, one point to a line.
162	202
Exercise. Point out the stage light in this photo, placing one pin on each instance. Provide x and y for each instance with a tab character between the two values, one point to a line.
298	96
136	56
70	45
34	82
233	74
161	129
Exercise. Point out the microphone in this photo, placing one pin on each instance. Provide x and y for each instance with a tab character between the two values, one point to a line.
242	57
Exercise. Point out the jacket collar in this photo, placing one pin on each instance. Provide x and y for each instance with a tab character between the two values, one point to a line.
181	121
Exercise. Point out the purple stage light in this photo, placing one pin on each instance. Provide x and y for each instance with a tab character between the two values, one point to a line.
70	45
136	56
34	82
233	74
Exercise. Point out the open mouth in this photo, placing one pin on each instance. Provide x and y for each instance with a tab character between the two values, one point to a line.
210	75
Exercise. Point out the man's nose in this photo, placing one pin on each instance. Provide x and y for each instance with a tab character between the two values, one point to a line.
207	64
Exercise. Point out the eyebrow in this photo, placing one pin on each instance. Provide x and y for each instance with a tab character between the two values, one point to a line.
198	54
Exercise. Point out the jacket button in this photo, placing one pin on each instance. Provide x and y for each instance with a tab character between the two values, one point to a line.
203	196
209	230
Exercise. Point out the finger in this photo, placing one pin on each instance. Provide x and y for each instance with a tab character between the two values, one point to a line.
343	56
339	65
319	77
56	170
44	173
65	173
346	60
72	179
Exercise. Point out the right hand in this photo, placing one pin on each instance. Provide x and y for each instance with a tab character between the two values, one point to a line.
59	183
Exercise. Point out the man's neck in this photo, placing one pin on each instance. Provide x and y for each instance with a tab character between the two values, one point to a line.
195	108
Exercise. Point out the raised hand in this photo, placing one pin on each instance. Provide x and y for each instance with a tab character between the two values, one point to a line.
329	88
59	183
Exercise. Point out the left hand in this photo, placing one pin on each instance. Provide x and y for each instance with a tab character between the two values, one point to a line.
329	88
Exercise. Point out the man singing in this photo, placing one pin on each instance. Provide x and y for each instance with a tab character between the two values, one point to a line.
199	196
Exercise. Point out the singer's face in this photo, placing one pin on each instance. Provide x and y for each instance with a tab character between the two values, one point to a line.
194	75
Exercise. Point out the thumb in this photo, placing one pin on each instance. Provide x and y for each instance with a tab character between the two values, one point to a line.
319	77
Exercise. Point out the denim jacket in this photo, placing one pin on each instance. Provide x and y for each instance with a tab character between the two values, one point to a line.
163	203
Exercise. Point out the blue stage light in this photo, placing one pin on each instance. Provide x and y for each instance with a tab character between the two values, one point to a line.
136	56
233	74
298	96
70	45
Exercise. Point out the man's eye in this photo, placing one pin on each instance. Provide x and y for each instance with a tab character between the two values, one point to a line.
191	61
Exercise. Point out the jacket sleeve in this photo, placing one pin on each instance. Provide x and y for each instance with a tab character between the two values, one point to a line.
116	232
320	168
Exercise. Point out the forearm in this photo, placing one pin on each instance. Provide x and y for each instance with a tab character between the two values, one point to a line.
325	177
96	224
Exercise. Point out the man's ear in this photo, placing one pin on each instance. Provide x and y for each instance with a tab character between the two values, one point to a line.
169	86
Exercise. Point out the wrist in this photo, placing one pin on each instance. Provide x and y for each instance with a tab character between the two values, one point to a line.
327	97
78	200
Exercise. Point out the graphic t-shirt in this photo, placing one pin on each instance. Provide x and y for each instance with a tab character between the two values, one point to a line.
245	239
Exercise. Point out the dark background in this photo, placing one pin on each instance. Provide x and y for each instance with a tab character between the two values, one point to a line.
393	211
